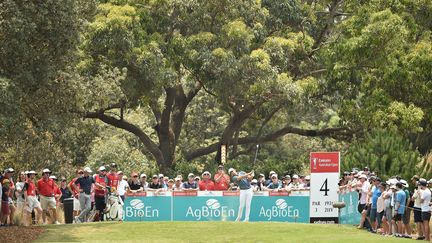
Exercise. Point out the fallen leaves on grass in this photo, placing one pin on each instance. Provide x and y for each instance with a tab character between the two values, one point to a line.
14	234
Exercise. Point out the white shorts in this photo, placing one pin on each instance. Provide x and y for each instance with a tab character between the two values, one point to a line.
47	202
76	205
32	204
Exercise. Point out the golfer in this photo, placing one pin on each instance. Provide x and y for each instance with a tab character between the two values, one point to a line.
243	180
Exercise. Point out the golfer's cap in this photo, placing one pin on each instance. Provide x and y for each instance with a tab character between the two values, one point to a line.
143	175
254	181
404	183
161	176
124	177
53	177
32	172
261	175
230	170
46	171
295	176
393	187
274	176
154	176
102	168
206	173
272	172
307	177
363	176
9	170
191	175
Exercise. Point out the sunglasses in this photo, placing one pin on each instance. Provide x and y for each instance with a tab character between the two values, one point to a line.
135	176
81	172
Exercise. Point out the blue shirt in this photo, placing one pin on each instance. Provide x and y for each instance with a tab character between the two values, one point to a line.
244	183
85	183
276	185
401	198
188	185
376	193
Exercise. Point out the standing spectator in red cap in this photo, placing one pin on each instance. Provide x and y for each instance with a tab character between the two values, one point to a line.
206	184
221	179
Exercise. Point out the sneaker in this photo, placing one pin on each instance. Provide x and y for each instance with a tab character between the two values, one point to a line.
77	220
56	222
420	238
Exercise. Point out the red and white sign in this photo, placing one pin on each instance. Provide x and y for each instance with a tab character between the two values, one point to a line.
324	186
324	162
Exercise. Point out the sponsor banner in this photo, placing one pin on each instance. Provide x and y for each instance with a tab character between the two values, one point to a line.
280	208
349	214
147	208
205	208
185	193
210	193
324	187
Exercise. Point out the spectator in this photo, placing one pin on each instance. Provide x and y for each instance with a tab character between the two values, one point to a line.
254	185
5	209
287	181
47	189
376	193
425	199
75	192
123	186
306	184
162	182
221	179
8	175
197	179
170	185
178	186
30	200
65	192
101	181
399	209
275	184
85	185
57	191
19	194
407	215
261	182
206	184
155	184
363	189
134	184
143	181
191	184
269	178
295	184
113	177
416	198
381	204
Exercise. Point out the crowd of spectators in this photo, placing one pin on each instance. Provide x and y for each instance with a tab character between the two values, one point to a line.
386	206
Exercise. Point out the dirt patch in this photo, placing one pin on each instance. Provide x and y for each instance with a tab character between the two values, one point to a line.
14	234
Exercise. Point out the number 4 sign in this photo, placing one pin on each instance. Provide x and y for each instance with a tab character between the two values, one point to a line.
324	186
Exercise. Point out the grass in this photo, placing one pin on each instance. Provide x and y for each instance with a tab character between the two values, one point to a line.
207	232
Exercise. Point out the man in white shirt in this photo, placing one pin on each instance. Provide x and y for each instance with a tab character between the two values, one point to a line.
363	188
417	210
123	186
425	199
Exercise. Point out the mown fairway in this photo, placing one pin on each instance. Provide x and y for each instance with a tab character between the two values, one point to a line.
207	232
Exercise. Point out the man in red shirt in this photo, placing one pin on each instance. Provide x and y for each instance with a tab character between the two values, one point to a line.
57	192
113	177
75	192
206	184
47	190
101	182
222	180
30	200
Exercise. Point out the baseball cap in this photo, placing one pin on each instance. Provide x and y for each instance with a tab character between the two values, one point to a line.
196	178
423	182
307	177
288	177
161	175
274	176
230	170
143	175
261	175
206	173
46	171
124	177
295	176
363	176
102	168
31	172
191	175
404	183
254	181
9	170
220	166
88	170
120	172
177	179
272	172
154	176
53	177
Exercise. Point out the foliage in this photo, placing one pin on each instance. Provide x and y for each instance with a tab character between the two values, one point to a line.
386	152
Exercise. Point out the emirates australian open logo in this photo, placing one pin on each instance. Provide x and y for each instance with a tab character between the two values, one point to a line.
211	209
281	209
136	208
